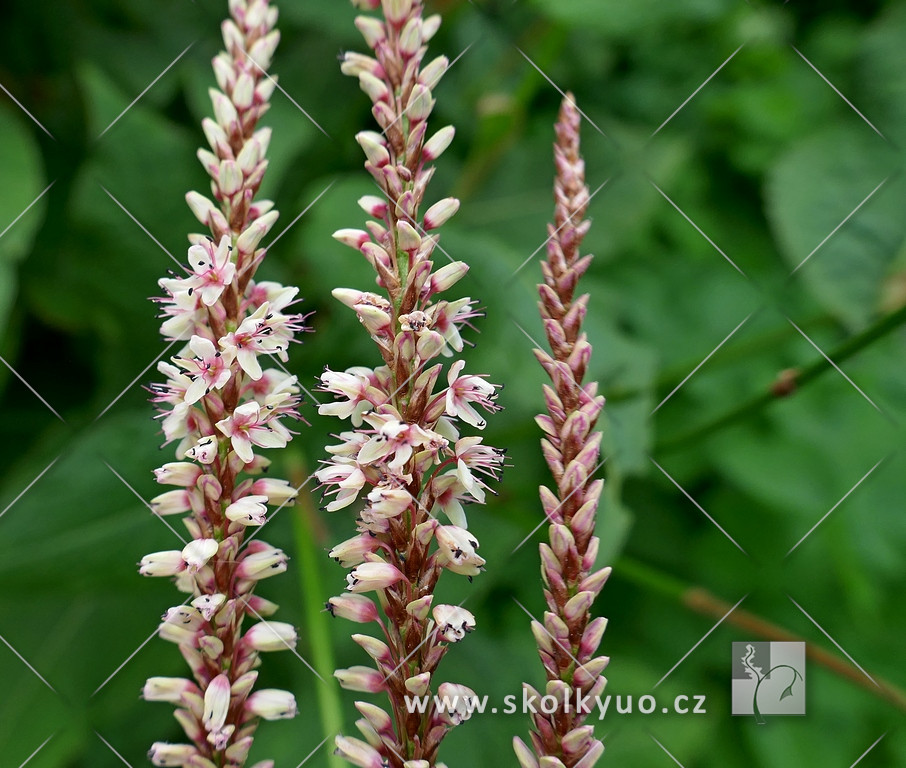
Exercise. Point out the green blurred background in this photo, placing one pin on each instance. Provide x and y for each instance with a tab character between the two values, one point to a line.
766	160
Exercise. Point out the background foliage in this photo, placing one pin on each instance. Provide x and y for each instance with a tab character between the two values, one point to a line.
766	159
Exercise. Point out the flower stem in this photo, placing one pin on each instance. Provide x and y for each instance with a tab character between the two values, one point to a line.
800	377
306	535
702	601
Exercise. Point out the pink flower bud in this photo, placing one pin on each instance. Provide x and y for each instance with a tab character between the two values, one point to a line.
224	111
397	11
418	685
389	502
210	487
358	752
436	145
591	757
178	473
407	237
430	27
376	649
169	689
354	238
271	636
419	608
352	551
577	606
163	754
243	91
201	207
277	492
524	755
216	703
248	511
255	566
271	704
217	139
373	146
371	28
357	608
433	71
229	177
359	678
410	38
368	576
374	206
252	235
441	212
420	103
197	553
166	563
171	503
262	51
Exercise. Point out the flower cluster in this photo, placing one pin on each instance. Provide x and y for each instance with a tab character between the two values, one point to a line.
568	638
404	463
220	407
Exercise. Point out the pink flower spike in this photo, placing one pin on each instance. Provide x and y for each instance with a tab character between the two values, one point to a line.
213	269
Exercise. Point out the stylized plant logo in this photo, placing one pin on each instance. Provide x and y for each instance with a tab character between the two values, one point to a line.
755	674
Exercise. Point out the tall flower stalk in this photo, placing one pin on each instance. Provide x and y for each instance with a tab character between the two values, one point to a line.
404	454
568	638
222	407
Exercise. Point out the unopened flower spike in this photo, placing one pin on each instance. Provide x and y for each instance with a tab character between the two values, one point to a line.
409	460
224	400
568	638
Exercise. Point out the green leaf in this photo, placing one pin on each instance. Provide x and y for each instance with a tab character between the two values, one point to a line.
21	164
628	18
811	191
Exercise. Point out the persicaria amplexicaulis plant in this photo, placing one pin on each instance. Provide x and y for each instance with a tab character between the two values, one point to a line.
404	463
568	638
221	404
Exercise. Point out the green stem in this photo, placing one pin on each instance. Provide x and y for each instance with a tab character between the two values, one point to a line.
305	533
802	376
703	602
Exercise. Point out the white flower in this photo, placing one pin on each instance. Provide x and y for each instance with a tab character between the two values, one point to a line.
453	622
249	510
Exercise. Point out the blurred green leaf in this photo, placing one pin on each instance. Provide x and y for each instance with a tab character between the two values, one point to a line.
811	191
23	177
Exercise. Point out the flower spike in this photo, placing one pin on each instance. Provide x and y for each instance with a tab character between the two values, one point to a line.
568	638
403	463
221	407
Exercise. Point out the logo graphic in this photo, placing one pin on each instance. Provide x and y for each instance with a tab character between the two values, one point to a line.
768	679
